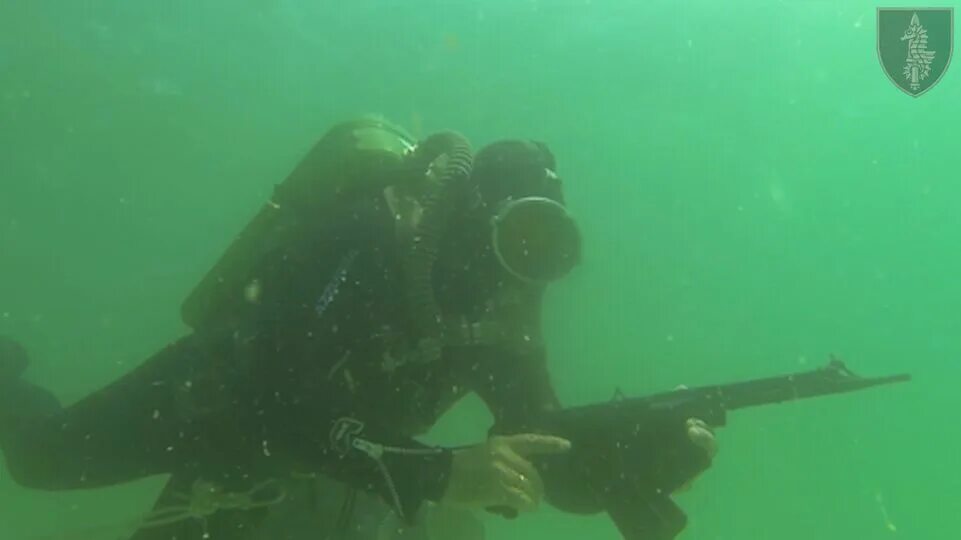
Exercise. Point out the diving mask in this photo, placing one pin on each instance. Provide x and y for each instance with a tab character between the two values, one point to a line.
535	239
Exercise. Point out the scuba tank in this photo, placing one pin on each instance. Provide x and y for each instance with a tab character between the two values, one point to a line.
351	159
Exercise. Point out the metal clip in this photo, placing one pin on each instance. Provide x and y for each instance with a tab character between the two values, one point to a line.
343	433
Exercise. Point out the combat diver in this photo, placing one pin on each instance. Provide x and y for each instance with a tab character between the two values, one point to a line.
383	281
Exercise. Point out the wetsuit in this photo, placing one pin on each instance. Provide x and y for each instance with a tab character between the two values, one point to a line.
311	374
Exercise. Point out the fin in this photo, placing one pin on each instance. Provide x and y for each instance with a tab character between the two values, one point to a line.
13	359
18	397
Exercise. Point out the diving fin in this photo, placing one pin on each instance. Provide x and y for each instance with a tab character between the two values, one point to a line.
13	359
21	400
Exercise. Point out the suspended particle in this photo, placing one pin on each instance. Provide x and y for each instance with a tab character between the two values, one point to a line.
252	291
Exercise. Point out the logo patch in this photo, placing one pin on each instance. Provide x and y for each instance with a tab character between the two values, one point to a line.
915	45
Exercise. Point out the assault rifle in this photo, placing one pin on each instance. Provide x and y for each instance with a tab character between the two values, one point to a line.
629	455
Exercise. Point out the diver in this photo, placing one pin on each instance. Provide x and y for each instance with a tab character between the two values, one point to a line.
385	280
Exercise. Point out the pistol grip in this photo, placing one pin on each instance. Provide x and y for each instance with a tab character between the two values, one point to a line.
645	516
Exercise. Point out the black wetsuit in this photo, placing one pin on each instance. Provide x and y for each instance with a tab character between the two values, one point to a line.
313	362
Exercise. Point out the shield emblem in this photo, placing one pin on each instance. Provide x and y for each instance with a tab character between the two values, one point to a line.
914	46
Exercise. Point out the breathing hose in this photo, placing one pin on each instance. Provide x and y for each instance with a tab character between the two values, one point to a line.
452	189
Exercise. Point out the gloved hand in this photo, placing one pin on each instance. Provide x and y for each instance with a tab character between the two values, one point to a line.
13	360
498	474
702	436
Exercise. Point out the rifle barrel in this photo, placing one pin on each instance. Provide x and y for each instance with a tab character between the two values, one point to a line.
835	378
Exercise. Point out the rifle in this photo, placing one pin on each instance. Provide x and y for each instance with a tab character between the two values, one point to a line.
629	455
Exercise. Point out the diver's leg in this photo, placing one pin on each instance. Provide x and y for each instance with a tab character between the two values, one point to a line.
132	428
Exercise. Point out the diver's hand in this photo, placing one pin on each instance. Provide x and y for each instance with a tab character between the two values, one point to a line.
702	436
497	473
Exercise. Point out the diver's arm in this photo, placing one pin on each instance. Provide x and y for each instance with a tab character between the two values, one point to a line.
367	455
516	386
513	378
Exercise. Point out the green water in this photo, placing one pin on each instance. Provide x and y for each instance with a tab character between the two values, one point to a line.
755	195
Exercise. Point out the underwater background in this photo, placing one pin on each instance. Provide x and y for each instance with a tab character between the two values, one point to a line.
755	196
